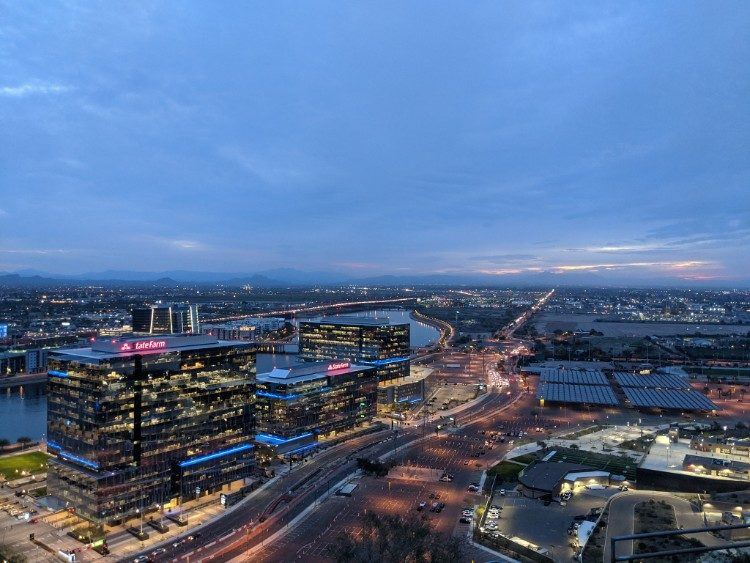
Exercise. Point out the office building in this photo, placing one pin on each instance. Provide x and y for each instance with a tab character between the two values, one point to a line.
245	329
135	423
402	393
364	340
295	405
166	319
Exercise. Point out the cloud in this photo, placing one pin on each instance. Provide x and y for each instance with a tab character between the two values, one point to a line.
503	258
34	251
270	170
33	89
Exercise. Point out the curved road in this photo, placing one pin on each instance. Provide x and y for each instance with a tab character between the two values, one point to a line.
622	519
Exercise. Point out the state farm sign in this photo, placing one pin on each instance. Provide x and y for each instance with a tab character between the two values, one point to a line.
143	346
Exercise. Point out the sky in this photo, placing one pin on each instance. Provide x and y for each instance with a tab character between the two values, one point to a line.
377	137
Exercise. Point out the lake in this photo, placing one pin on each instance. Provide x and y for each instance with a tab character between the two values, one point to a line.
23	414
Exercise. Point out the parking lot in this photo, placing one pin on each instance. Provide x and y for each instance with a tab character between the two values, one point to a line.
545	526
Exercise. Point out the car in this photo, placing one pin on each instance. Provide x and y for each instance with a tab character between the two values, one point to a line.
567	495
158	552
494	515
495	507
467	513
502	492
492	525
465	520
142	559
473	488
422	505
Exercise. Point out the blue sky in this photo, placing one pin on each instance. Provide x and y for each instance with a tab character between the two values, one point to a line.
377	137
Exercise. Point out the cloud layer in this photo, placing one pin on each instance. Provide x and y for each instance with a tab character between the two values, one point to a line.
405	138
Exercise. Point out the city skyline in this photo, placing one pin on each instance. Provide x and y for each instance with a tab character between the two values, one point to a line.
595	142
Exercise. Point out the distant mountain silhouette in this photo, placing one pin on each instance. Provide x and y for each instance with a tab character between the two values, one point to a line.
289	277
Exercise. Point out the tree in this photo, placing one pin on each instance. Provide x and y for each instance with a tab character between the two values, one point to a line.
4	442
24	441
392	539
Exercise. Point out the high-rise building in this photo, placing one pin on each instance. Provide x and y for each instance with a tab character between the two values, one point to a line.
295	405
365	340
137	422
166	319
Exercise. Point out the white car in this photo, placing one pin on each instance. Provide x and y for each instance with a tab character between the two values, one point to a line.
502	492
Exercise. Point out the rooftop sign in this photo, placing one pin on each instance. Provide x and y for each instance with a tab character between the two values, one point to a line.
135	345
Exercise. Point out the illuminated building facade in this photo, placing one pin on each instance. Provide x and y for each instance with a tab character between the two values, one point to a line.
166	319
295	405
364	340
135	423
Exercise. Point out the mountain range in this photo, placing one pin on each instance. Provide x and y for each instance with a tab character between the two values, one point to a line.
289	277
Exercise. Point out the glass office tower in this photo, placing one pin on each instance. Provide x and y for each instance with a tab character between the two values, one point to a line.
137	423
295	405
166	319
364	340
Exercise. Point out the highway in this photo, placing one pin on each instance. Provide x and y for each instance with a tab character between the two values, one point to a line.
313	308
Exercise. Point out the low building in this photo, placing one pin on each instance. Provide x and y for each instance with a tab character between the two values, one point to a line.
12	363
297	404
548	479
727	468
721	446
402	393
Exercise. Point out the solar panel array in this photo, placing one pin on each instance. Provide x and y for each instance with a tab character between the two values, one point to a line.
672	399
574	376
656	381
571	393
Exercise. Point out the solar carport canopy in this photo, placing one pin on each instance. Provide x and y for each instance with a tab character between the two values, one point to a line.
584	394
656	381
578	377
672	399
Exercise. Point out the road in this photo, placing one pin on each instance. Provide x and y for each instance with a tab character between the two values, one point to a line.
622	516
457	452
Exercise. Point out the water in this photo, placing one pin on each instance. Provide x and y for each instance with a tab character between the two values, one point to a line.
421	334
23	414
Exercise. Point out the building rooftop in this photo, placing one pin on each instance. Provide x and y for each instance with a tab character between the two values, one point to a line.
310	371
352	320
545	475
416	375
111	348
714	463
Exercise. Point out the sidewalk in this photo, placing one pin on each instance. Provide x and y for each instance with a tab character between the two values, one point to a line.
201	516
